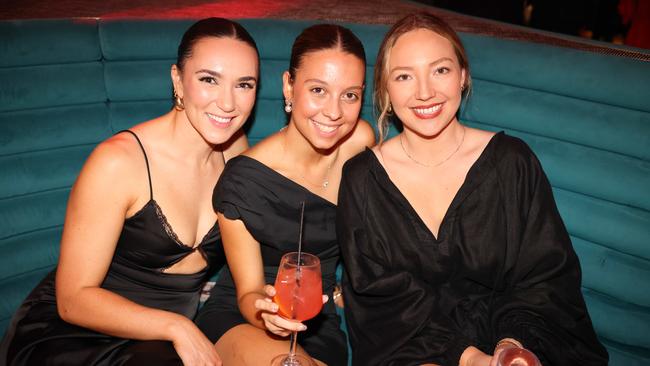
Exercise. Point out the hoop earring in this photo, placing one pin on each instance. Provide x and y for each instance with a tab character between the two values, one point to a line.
288	106
178	102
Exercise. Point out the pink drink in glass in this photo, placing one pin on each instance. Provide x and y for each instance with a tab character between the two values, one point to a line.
517	357
299	295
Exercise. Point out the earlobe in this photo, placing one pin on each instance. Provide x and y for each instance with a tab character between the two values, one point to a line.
176	80
287	86
463	79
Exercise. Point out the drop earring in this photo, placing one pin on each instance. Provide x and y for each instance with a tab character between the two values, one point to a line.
178	102
288	106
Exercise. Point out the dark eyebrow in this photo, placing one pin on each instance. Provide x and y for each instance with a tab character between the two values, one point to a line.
213	73
324	82
247	78
315	81
442	59
218	75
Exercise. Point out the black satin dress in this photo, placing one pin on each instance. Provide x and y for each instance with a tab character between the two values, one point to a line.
268	204
501	266
146	247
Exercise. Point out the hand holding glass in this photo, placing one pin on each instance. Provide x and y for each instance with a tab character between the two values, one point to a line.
299	291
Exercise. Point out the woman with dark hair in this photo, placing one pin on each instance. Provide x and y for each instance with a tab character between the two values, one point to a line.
140	236
453	247
258	203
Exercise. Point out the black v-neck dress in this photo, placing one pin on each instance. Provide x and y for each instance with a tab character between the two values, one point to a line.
501	266
268	204
146	247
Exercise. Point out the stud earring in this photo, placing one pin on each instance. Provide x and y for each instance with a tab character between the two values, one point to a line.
288	106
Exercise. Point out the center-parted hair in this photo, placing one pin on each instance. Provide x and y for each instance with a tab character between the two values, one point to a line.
324	37
409	23
211	27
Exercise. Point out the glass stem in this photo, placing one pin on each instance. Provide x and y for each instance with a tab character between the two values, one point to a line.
292	347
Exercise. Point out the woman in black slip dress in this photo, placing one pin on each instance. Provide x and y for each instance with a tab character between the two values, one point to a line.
140	236
258	203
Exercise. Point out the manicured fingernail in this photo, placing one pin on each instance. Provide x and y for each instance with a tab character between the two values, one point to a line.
303	327
275	307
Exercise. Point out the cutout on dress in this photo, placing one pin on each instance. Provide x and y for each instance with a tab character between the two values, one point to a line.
189	263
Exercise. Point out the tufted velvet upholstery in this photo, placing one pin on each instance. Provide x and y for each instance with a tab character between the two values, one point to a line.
67	84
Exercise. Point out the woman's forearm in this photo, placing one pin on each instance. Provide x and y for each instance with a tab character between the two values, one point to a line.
107	312
249	311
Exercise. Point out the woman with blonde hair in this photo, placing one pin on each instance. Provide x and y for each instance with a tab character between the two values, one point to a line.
453	247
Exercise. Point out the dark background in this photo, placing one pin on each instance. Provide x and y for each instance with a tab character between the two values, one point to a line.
616	21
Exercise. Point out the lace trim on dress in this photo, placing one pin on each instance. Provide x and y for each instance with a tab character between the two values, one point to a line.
172	235
168	228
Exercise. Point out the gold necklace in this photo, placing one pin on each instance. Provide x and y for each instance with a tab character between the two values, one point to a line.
436	164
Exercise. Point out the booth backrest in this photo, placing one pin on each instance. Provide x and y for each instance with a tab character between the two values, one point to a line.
66	85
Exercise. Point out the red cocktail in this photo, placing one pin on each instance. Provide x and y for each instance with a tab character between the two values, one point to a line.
299	295
517	357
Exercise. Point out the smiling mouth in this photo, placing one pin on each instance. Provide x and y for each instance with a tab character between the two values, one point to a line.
427	111
324	128
219	119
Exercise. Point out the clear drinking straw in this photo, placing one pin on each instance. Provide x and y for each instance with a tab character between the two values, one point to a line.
302	219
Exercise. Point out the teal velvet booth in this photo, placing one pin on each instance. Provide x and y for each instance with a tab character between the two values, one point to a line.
65	85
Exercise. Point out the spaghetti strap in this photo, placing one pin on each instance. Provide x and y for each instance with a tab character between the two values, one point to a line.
146	160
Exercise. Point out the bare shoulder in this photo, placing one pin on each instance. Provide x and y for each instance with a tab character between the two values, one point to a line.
362	136
115	154
364	133
113	168
266	150
123	151
387	150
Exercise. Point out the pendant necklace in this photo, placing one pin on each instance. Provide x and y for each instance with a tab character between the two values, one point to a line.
326	180
436	164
